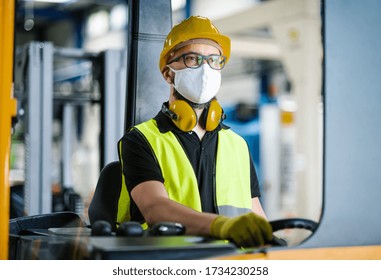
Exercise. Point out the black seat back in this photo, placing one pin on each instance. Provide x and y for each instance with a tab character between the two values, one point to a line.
104	204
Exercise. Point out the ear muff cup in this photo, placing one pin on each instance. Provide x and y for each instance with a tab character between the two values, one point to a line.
186	117
211	116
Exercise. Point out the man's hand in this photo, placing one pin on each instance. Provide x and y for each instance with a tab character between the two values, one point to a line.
247	230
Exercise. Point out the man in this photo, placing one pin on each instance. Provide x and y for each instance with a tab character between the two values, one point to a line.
185	165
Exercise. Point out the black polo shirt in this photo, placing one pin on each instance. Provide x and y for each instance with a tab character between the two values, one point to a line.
139	164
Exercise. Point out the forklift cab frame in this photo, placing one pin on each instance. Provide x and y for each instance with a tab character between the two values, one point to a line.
349	227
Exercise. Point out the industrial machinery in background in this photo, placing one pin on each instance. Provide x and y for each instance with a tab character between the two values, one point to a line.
56	89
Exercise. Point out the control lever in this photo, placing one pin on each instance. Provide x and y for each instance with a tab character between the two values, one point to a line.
130	229
101	228
135	229
167	229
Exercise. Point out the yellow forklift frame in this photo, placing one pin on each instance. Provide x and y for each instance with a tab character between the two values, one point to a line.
7	110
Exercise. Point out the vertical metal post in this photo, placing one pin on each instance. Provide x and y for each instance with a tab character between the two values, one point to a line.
114	93
67	138
38	129
46	129
32	131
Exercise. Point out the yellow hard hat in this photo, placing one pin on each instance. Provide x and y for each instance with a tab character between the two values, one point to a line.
194	27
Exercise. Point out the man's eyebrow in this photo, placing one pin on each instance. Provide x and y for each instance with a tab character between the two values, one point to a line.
200	53
192	53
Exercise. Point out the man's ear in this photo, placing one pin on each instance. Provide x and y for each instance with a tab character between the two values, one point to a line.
166	72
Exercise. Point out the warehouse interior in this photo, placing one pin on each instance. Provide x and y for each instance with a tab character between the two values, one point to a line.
274	73
76	53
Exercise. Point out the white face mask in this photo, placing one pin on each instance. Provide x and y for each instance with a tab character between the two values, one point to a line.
197	85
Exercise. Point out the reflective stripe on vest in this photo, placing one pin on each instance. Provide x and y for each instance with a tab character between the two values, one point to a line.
232	176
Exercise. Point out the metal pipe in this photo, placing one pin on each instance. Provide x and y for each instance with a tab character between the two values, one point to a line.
132	47
74	53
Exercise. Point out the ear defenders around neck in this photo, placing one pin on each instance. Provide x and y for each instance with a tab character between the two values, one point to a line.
185	117
212	115
182	115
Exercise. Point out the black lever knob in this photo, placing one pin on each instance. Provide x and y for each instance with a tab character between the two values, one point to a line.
168	229
101	228
131	229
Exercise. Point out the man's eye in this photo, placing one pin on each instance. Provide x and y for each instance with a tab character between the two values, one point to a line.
191	58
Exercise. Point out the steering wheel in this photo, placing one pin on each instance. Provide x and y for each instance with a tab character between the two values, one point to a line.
289	224
293	223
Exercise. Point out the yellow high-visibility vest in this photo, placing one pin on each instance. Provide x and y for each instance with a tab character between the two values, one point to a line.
232	195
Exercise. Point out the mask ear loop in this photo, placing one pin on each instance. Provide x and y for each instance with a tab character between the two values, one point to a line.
173	77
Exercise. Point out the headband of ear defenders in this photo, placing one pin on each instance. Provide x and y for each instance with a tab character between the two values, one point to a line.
185	117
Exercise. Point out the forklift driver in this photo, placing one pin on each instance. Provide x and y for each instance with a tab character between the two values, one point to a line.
184	165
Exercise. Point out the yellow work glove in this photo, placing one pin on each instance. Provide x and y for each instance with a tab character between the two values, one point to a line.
247	230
